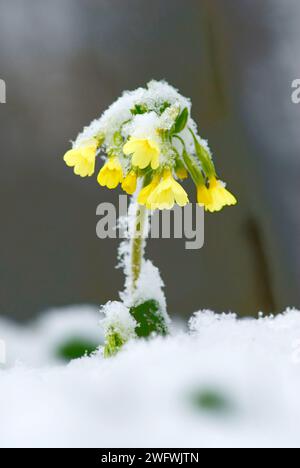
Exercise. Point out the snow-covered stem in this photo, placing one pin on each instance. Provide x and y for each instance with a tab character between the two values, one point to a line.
138	244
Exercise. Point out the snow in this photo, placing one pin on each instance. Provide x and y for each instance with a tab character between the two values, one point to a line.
118	318
150	285
146	395
143	126
37	343
119	117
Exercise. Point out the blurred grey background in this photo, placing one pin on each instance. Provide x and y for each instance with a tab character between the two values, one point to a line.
65	61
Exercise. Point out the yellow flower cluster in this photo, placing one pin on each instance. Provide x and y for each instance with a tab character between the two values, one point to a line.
142	158
162	193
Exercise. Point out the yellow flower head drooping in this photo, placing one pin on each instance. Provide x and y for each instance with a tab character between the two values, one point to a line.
129	184
83	158
147	191
167	193
111	174
144	152
216	196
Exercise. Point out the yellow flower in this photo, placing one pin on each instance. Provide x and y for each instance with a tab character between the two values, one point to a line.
216	196
83	158
111	174
144	152
147	191
129	183
167	193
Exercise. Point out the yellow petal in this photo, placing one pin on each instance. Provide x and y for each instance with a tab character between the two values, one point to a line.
220	196
81	169
83	158
130	183
141	159
144	152
72	157
167	193
204	196
181	197
146	191
111	174
163	200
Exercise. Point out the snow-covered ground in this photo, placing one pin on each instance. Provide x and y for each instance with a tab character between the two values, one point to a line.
223	383
38	343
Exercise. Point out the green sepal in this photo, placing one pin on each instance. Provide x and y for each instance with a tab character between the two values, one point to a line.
100	139
204	157
193	169
164	106
179	164
149	319
180	122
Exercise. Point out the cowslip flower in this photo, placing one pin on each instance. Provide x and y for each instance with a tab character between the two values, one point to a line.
167	193
129	184
144	152
147	191
111	174
149	136
216	196
83	158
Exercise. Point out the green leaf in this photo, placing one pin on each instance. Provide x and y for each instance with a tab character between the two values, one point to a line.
181	121
139	109
75	348
211	400
149	319
164	106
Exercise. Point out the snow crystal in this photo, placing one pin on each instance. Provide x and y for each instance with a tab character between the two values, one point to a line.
145	396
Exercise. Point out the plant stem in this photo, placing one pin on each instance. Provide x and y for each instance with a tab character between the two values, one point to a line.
138	244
